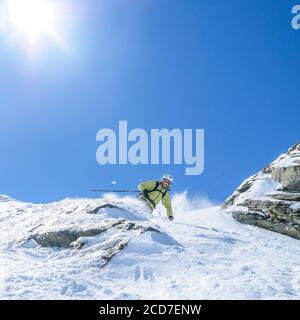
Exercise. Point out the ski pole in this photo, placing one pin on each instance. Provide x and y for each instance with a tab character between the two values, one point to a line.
127	191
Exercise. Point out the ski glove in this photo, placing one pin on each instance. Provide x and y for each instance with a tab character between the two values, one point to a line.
145	193
171	218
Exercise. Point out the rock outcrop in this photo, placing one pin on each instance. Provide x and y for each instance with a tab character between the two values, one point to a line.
77	238
271	198
88	232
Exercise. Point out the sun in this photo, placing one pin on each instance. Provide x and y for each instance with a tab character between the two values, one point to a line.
34	18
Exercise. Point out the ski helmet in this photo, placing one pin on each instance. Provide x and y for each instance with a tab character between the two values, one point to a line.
168	177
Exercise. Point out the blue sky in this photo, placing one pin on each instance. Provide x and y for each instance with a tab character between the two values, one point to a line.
229	67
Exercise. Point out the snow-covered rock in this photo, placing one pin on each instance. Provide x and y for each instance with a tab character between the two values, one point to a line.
5	198
271	198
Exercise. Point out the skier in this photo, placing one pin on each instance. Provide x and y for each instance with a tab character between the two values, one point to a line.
152	192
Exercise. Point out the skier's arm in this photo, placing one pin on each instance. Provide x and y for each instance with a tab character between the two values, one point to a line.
166	201
147	185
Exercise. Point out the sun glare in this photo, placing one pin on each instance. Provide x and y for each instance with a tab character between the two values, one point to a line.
34	18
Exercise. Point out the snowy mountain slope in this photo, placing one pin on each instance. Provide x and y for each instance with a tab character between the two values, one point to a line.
120	252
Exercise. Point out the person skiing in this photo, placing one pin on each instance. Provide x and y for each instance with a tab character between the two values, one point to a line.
152	192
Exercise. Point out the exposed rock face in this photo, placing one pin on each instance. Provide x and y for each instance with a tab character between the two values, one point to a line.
68	238
271	198
93	230
5	198
81	239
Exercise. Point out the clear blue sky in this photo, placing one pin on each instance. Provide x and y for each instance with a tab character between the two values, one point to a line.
230	67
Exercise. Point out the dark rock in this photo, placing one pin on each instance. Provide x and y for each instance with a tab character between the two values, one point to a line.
63	238
287	196
289	177
66	238
107	205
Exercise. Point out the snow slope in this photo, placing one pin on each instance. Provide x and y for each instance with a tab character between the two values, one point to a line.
202	254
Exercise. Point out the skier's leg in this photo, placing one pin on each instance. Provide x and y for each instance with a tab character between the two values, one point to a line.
146	206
